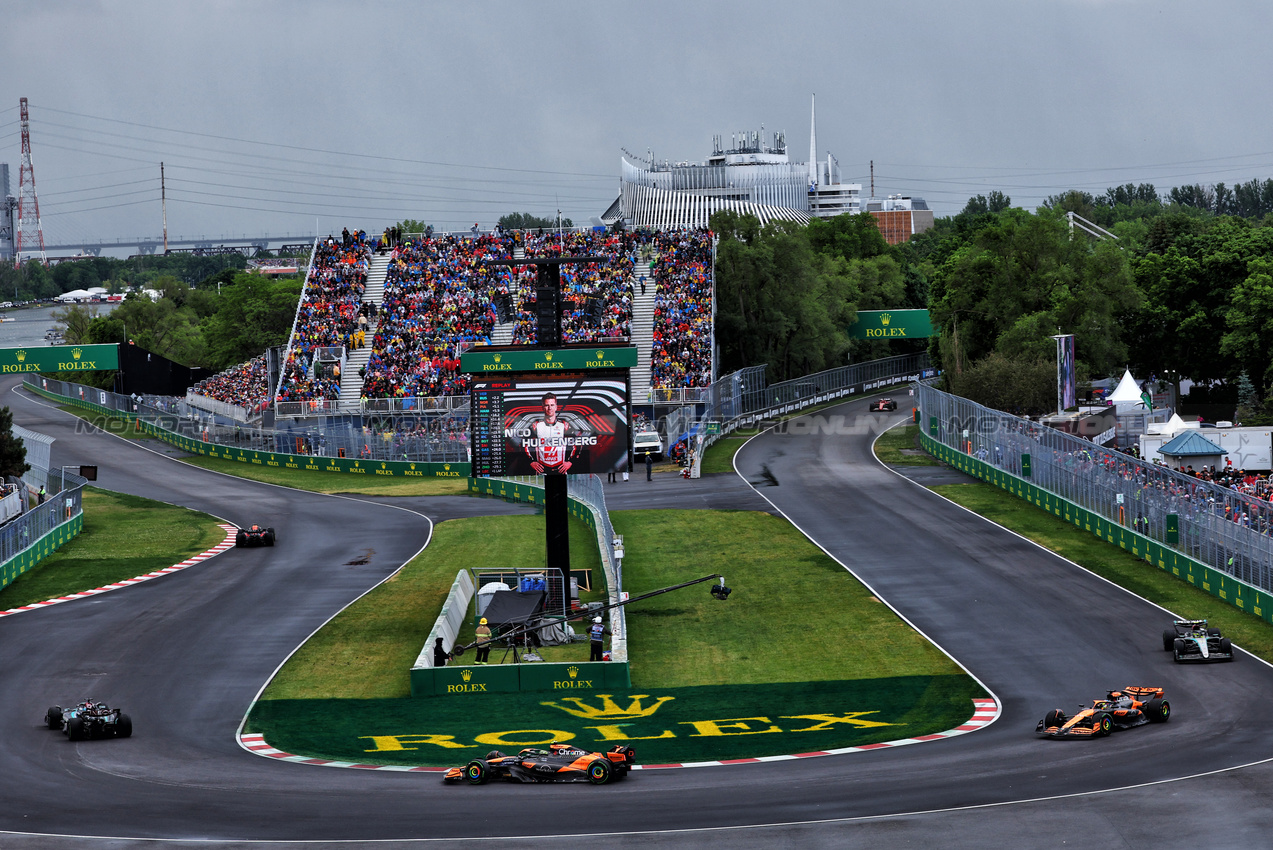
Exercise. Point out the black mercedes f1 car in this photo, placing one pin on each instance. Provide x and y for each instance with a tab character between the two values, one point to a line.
254	535
1132	706
1191	640
558	763
89	719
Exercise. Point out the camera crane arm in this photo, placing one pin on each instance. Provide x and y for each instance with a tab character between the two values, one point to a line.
720	591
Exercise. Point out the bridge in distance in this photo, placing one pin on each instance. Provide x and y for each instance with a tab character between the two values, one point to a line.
149	245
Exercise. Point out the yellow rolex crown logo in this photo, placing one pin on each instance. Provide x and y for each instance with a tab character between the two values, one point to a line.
573	671
600	354
413	466
22	356
77	352
548	355
382	464
609	708
885	318
498	358
445	466
466	674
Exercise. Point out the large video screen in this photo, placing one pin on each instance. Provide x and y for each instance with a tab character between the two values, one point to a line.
563	424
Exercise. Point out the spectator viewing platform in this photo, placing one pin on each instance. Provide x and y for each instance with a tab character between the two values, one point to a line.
402	336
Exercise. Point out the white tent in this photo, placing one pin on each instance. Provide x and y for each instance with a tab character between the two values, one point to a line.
75	295
1127	390
1171	427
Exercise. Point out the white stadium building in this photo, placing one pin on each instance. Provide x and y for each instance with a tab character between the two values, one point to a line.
753	175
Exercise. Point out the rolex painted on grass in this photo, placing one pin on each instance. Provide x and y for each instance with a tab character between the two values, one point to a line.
674	725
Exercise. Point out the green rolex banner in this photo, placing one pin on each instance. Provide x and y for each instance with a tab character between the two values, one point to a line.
892	324
59	358
484	359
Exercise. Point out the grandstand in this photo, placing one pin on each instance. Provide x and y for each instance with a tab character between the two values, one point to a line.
380	328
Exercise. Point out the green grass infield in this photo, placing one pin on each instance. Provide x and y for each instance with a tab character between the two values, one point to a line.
663	725
123	537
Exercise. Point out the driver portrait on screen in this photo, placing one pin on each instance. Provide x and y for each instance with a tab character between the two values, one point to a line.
547	447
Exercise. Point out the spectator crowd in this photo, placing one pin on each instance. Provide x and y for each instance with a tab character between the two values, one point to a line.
243	385
326	317
443	295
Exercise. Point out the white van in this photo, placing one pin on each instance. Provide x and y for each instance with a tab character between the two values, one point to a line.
647	443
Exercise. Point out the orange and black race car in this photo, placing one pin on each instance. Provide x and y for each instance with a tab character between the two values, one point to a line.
254	535
883	404
1132	706
558	763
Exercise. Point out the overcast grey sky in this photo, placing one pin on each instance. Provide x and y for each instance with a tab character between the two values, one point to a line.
272	116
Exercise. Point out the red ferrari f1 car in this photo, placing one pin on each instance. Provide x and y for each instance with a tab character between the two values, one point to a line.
558	763
1125	709
883	404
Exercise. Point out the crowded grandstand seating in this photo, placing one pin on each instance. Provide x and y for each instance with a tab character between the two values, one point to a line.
682	349
441	297
243	385
327	316
611	281
437	302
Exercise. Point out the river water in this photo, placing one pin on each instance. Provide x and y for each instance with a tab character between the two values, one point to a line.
31	323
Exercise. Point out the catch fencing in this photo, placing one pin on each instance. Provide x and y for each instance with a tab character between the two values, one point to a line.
439	438
744	399
40	529
1225	529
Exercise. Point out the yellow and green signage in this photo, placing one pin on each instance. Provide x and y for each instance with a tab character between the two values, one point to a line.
664	725
892	324
59	358
483	360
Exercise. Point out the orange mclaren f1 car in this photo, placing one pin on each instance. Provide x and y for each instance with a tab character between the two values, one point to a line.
1132	706
558	763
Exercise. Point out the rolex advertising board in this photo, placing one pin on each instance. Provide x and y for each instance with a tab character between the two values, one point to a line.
59	358
892	324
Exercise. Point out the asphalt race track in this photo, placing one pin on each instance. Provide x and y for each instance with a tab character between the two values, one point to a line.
186	654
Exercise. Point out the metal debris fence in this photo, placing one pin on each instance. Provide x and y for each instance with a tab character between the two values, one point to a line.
1226	529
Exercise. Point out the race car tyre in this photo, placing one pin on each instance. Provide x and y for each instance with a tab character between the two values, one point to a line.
1178	649
240	539
269	537
1055	717
599	772
1158	710
477	772
1104	725
124	727
1168	638
75	729
1213	633
53	717
1227	646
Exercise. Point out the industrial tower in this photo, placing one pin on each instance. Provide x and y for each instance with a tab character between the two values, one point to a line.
28	204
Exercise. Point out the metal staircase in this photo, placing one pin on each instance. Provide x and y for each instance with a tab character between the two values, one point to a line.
642	331
350	377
